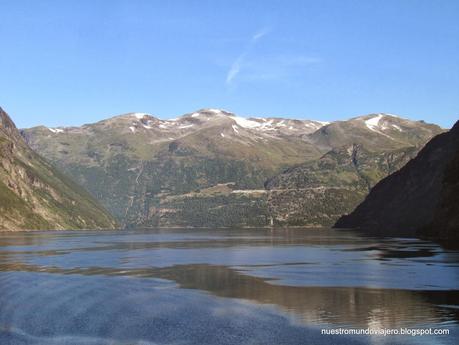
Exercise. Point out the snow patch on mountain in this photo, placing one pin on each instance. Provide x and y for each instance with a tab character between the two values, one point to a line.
312	125
245	123
56	130
140	115
215	111
373	123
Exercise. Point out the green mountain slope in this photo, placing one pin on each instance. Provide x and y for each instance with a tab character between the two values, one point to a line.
34	195
209	167
319	192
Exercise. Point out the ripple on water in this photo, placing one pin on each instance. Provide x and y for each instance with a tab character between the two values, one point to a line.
220	287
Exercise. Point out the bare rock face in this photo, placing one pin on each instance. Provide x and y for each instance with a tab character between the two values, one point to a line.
34	195
422	197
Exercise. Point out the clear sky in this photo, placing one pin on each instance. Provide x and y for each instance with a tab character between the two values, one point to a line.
74	62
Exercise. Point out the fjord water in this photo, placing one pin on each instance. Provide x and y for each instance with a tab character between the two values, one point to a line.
233	286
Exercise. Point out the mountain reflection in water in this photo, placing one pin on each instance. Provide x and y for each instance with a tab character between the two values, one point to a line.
292	271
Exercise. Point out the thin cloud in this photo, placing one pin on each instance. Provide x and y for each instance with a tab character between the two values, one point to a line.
234	69
259	34
274	67
237	64
250	68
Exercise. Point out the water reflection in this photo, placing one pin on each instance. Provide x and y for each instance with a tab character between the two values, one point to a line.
349	306
142	256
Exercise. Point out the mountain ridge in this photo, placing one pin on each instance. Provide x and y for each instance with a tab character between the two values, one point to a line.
151	172
216	111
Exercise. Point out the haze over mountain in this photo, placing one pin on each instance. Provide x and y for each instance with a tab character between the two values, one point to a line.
422	197
210	167
34	195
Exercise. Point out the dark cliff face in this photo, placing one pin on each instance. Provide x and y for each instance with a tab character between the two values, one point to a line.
34	195
445	224
421	197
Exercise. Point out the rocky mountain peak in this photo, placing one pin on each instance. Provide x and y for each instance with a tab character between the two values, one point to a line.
6	124
211	112
142	117
8	128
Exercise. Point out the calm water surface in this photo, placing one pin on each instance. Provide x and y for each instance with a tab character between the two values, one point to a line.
222	287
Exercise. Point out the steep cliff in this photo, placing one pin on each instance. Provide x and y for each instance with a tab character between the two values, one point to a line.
34	195
445	224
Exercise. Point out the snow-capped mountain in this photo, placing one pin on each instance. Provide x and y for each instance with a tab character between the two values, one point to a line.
209	167
230	124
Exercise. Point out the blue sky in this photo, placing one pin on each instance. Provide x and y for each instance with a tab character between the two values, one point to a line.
74	62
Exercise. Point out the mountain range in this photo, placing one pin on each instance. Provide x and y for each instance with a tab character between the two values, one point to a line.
34	195
212	168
